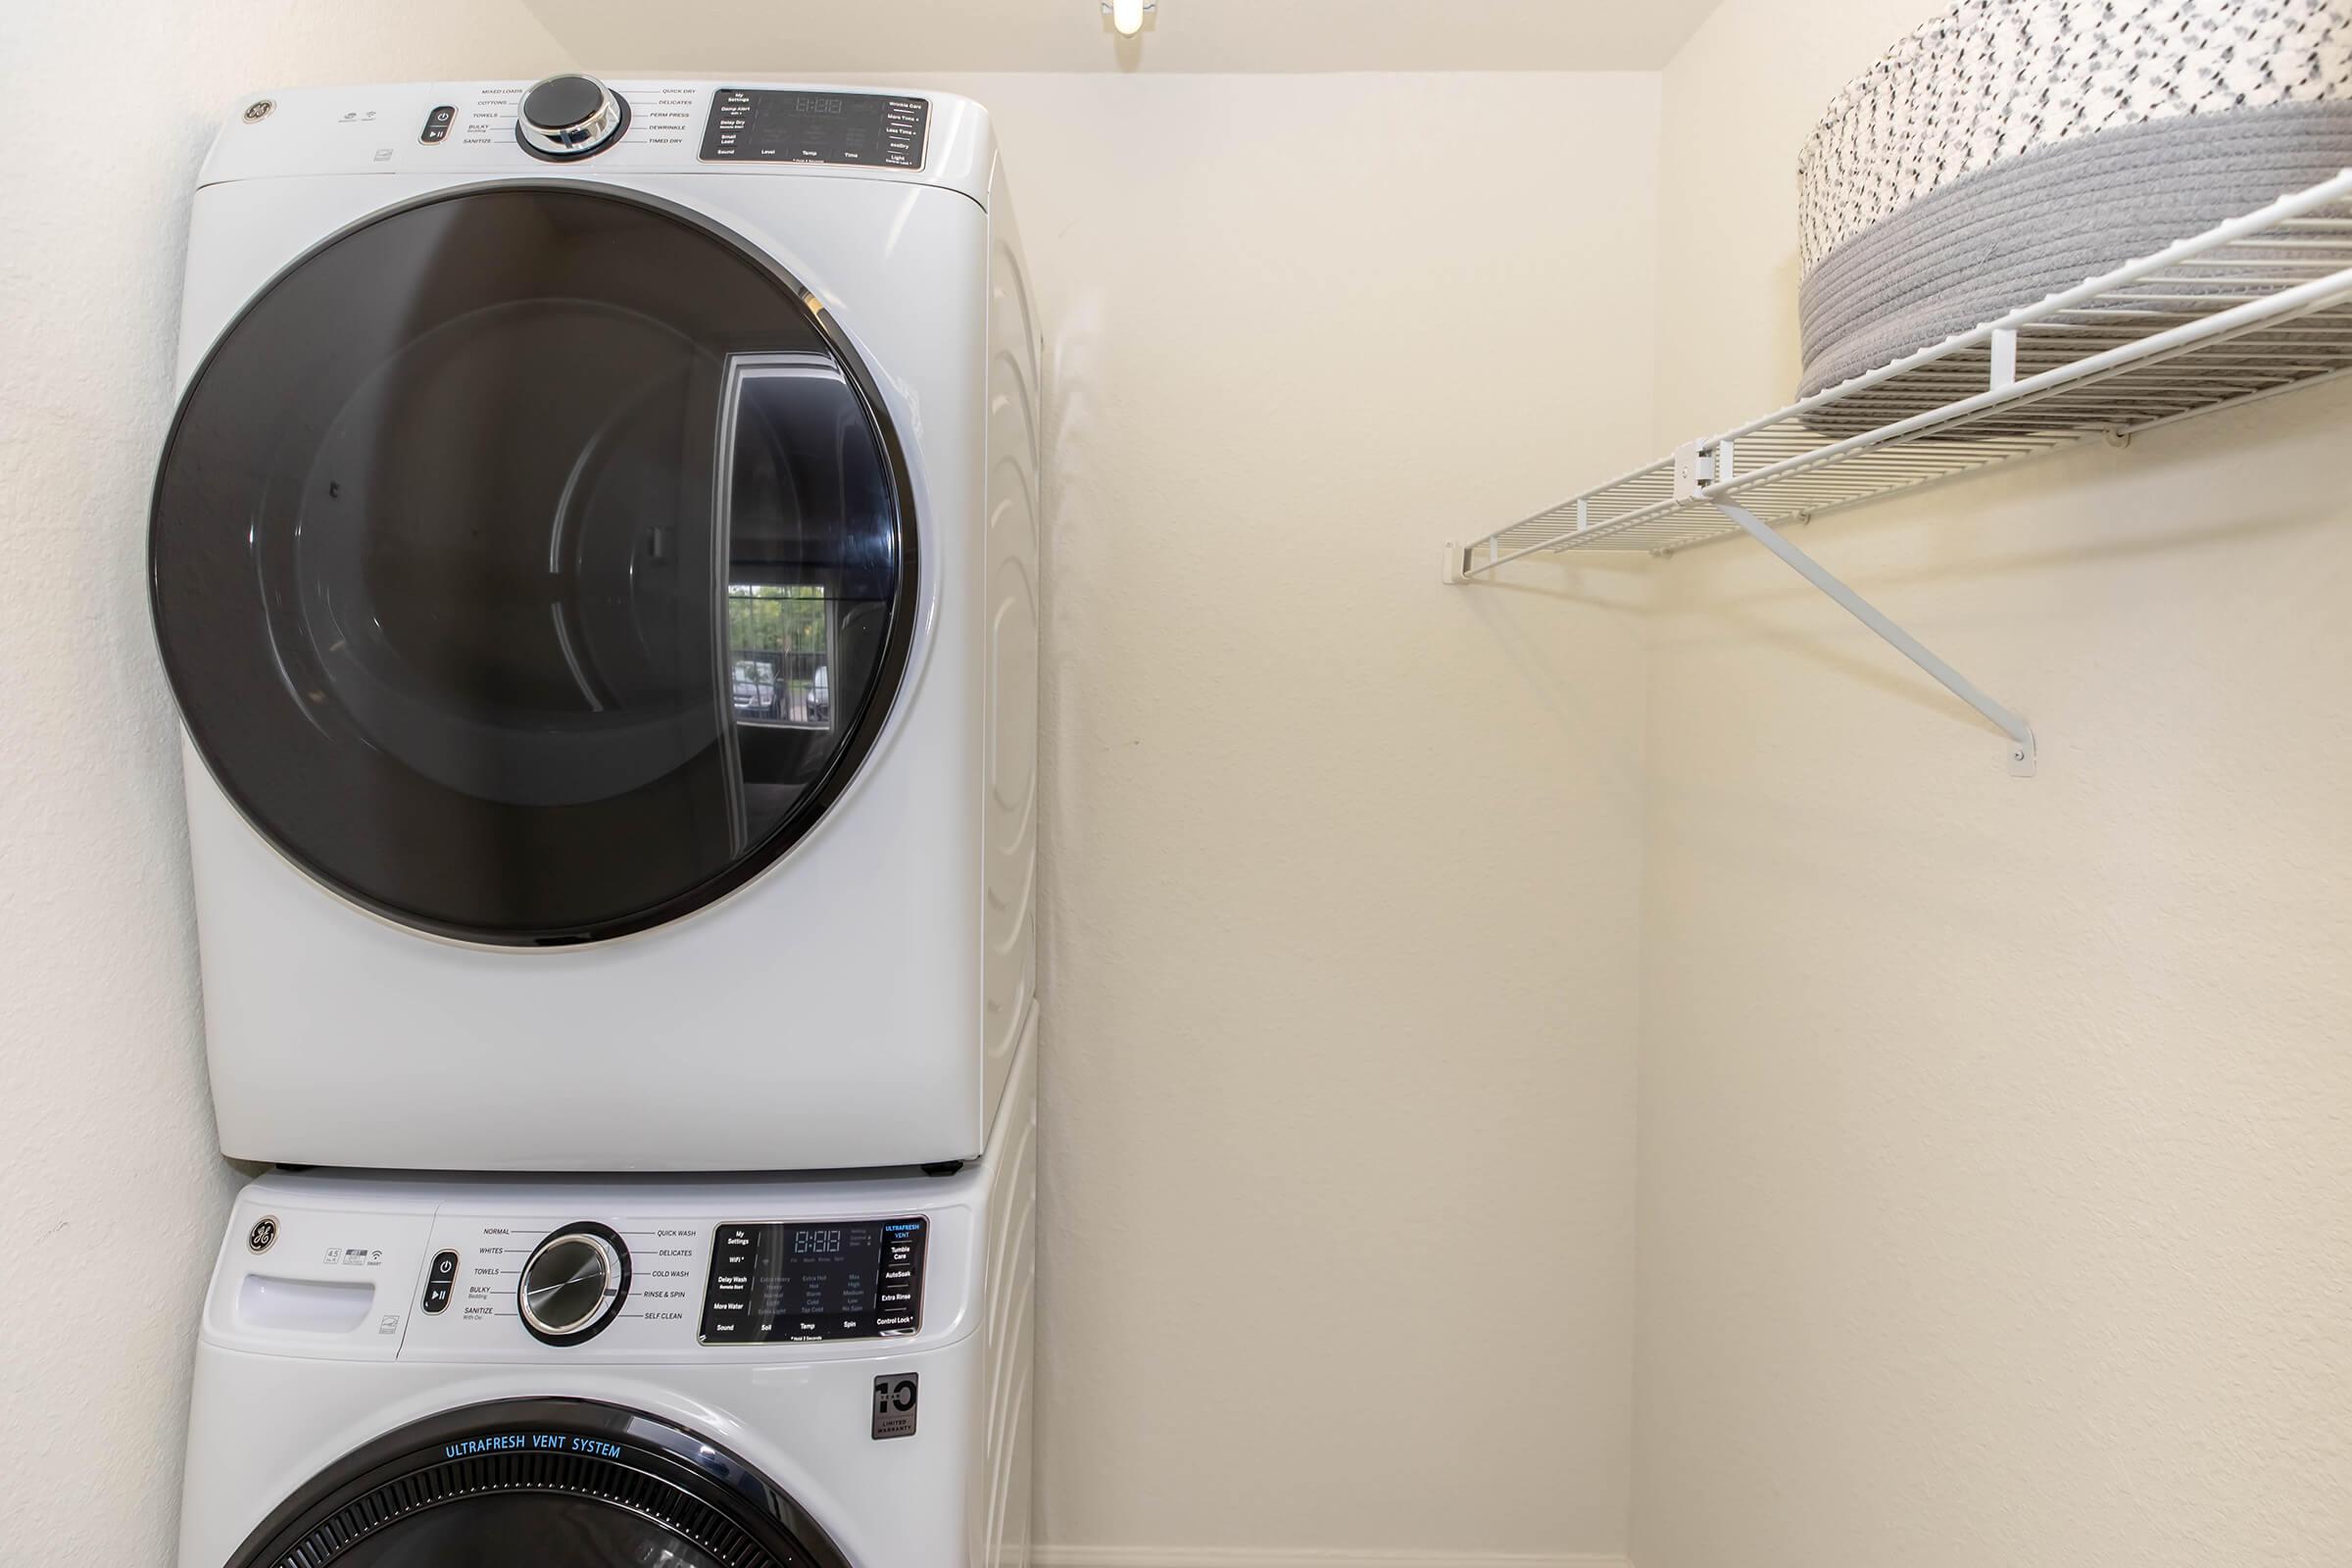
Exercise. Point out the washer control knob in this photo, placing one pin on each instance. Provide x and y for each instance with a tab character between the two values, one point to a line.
569	116
574	1284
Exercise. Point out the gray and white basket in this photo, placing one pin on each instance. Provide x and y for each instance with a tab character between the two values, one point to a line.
2011	148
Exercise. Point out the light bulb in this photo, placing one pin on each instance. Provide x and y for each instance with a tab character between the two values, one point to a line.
1127	16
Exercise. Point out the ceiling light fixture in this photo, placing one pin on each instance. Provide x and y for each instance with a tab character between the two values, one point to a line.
1127	16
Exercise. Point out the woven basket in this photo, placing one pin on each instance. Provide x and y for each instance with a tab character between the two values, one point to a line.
2012	148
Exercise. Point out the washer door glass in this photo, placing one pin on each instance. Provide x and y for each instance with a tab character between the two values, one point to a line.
539	1483
527	1532
532	563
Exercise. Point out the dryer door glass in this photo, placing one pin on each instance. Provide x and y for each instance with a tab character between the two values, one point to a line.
532	563
539	1483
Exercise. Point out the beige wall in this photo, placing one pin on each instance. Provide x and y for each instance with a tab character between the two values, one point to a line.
1993	1135
114	1193
1339	983
1996	1135
821	39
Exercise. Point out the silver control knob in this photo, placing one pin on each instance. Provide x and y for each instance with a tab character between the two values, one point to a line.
569	116
574	1283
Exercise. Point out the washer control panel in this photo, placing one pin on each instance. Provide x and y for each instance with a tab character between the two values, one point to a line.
652	1269
800	1282
794	126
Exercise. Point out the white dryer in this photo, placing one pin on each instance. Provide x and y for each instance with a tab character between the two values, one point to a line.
501	1372
595	558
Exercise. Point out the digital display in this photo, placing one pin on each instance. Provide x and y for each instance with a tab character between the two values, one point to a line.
851	1280
761	125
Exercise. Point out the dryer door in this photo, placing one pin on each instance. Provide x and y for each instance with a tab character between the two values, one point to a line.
539	1483
533	564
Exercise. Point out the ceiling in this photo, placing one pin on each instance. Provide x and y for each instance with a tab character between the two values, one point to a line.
812	37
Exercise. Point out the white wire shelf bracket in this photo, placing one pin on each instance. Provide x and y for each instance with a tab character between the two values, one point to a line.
2252	308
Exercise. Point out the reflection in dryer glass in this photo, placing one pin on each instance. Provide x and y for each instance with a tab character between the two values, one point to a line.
811	580
781	639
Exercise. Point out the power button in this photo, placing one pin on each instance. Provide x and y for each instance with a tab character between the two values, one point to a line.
436	124
440	1281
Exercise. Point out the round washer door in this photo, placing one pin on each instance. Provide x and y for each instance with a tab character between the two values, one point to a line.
539	1483
533	564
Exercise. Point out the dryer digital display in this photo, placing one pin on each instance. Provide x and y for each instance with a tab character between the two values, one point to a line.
837	1280
782	125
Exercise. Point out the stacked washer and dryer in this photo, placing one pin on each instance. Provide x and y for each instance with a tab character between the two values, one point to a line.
595	558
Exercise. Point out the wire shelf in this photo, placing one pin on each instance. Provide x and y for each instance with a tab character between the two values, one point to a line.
2259	305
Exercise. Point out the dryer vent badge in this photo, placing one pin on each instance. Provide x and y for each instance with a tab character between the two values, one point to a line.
895	1396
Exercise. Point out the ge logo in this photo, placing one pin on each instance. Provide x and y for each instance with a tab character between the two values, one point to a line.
894	1404
264	1234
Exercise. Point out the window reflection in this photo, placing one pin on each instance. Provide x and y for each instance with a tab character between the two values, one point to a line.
808	526
780	639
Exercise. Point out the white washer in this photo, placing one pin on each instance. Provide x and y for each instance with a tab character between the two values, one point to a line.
596	560
826	1372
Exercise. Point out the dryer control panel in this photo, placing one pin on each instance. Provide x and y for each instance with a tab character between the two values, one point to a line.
799	125
618	129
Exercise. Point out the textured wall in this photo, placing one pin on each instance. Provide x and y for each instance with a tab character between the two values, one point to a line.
1993	1134
114	1191
1996	1135
1339	982
821	39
